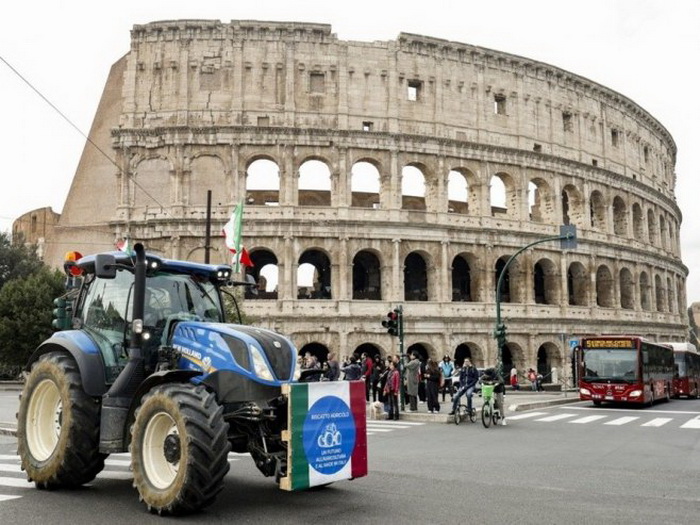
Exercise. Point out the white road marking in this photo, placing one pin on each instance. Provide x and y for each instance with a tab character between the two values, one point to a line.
526	415
392	423
556	417
21	483
10	467
657	422
118	462
8	498
380	429
693	423
621	420
587	419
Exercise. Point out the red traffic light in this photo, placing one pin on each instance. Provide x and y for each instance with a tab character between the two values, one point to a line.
393	316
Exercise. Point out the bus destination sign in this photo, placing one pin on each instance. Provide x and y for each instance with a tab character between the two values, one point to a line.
608	343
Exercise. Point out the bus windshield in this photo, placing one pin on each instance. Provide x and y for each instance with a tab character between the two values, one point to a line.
681	367
610	365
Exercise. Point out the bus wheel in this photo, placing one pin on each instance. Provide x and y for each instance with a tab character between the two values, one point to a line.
596	402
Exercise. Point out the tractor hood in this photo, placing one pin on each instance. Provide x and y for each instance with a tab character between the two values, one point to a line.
261	355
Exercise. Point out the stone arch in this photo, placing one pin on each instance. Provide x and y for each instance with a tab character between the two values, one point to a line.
627	300
457	192
314	281
473	184
423	350
471	350
660	294
207	172
415	277
619	216
598	211
262	183
367	348
605	286
265	272
413	187
512	355
150	183
662	231
540	201
577	280
546	282
314	183
645	291
670	293
502	193
572	205
549	356
318	350
464	278
366	276
651	226
365	184
637	222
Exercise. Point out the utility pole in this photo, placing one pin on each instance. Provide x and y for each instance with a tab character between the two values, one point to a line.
567	238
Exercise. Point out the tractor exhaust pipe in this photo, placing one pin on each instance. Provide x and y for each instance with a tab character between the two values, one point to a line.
117	401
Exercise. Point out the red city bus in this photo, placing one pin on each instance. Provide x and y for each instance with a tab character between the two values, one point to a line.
626	369
686	380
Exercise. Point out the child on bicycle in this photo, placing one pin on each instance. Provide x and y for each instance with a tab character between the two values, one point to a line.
492	377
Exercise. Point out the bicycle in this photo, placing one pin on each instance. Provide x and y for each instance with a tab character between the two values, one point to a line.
462	413
489	412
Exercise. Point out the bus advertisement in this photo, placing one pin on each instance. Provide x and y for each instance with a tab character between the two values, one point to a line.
625	369
686	380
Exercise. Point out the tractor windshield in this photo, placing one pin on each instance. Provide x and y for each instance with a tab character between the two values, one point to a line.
173	293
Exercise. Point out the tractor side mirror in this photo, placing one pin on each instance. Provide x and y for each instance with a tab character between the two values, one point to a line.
105	266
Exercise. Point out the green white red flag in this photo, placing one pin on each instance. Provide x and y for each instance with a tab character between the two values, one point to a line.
233	231
328	433
125	245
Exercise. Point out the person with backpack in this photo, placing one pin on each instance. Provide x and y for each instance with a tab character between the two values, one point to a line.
447	369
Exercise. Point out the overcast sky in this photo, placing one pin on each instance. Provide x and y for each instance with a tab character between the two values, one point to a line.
648	50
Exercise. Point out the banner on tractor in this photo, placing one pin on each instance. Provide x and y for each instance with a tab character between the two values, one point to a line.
327	433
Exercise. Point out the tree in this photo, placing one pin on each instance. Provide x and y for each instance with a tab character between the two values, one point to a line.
17	260
26	308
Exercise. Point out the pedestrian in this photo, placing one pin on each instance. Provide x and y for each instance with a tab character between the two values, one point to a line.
333	372
468	377
366	370
421	384
377	371
447	369
492	377
532	377
412	381
352	372
391	390
514	379
433	378
382	381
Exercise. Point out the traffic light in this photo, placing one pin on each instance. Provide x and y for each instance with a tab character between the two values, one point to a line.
60	314
391	323
500	334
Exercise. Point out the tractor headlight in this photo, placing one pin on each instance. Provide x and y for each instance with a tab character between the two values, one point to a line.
297	372
262	370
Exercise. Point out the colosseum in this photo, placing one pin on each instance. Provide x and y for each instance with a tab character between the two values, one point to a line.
378	174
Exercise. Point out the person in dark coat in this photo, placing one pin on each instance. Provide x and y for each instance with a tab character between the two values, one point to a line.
412	381
433	374
352	371
333	372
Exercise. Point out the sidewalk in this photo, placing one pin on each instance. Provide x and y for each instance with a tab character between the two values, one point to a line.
515	401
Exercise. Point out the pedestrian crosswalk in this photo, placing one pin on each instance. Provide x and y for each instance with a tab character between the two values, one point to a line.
14	484
648	421
384	426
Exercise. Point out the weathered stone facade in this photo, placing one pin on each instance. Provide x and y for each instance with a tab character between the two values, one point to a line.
35	227
195	104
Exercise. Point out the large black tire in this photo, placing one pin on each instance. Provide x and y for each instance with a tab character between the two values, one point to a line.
58	425
179	449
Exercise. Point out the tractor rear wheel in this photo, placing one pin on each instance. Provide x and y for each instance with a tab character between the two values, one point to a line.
58	425
179	449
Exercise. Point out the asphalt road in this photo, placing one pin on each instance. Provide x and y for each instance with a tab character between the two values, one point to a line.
570	464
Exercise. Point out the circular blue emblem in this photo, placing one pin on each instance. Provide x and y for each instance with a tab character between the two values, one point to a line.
329	435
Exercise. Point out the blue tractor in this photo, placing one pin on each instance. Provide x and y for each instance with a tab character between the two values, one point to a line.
146	363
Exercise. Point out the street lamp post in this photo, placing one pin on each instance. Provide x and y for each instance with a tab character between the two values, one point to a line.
567	236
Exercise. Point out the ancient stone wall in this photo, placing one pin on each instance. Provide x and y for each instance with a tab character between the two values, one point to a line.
501	150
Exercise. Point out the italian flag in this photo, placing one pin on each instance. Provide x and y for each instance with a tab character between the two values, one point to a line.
328	433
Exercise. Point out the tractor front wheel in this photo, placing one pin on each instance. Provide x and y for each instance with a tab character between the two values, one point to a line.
58	425
179	449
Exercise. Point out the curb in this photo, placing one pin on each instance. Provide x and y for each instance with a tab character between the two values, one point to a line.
8	431
542	404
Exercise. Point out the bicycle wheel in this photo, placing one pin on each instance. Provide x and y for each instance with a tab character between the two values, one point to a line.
458	415
495	417
486	415
472	415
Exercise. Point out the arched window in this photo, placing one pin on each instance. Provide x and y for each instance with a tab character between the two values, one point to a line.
365	185
412	188
314	184
262	183
415	277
